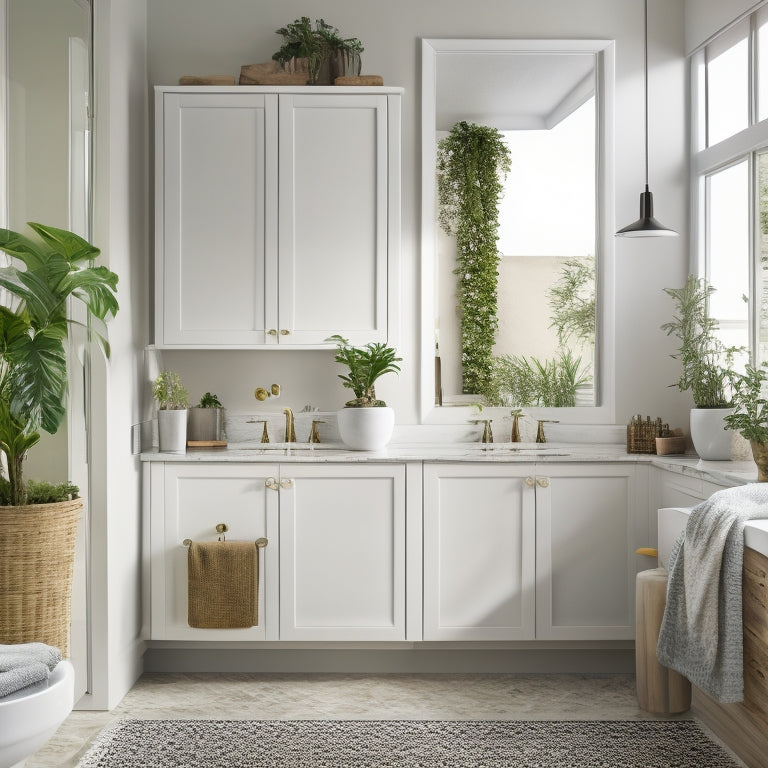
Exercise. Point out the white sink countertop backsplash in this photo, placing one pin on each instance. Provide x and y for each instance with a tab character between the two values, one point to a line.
455	443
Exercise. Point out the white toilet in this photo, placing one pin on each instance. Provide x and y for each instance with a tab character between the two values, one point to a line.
28	718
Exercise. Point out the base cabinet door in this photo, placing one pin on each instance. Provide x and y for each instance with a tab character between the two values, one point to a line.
195	498
588	525
479	544
342	552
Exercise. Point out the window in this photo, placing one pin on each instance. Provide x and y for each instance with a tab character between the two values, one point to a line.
730	179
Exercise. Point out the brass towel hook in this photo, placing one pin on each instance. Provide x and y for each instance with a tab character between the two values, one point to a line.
221	529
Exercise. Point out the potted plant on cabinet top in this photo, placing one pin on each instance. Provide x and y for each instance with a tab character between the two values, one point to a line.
300	41
706	367
750	414
38	521
365	423
173	401
343	53
206	421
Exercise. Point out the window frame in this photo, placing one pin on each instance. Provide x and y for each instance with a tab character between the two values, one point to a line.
709	160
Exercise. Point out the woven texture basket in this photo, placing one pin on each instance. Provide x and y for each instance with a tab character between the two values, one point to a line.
37	552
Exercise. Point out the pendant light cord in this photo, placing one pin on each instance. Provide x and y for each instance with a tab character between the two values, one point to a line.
645	76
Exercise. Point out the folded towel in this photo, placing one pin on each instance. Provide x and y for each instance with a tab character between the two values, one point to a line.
22	677
701	633
223	584
19	654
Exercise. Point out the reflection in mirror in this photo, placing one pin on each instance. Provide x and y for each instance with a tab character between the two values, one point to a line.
543	101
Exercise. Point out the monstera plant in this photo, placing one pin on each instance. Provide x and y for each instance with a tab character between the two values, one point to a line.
34	329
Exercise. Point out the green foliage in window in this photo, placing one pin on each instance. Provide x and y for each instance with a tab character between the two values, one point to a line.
472	163
705	361
572	300
519	381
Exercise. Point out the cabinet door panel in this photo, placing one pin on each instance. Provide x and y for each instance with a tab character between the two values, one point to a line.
333	218
585	561
217	228
342	558
197	498
478	553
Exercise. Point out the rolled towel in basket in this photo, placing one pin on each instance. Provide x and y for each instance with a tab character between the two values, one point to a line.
22	677
17	655
223	584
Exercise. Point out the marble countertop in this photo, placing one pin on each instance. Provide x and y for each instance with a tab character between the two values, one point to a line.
720	472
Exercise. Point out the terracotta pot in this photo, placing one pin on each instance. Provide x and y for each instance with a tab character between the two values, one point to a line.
760	455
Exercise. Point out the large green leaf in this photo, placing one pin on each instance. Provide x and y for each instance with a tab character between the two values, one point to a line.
68	244
39	379
95	287
30	252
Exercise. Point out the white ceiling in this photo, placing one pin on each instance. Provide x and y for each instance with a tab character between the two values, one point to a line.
511	91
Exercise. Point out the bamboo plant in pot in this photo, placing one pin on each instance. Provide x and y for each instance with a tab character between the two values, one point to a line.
750	414
38	522
707	367
173	403
365	423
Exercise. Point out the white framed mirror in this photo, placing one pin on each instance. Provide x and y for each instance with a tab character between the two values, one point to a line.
552	102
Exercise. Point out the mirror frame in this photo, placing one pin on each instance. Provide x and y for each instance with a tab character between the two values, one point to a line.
431	48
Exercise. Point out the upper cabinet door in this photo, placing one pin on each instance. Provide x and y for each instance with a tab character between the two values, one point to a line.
216	218
334	237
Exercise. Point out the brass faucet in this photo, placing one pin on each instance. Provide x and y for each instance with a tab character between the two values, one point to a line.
487	431
290	430
515	436
314	433
540	432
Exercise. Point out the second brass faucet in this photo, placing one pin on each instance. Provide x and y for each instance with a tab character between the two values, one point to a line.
290	428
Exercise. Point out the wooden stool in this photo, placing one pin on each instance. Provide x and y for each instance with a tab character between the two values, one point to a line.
659	690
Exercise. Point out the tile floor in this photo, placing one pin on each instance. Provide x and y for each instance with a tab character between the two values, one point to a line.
352	697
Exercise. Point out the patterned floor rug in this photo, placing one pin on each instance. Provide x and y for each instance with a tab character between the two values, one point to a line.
404	744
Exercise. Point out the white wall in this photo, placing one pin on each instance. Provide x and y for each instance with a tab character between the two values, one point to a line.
120	230
206	38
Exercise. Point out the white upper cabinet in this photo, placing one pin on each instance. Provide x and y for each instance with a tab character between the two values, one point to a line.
277	216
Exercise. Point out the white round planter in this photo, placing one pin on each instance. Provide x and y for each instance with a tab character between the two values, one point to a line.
710	438
366	429
172	431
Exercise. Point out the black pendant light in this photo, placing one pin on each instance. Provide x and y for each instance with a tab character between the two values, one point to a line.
646	225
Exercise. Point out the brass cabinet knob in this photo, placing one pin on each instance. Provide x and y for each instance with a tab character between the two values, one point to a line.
271	483
286	483
529	481
272	332
285	332
542	482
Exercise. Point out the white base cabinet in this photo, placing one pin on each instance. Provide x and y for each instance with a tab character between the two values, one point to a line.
545	552
335	564
479	552
188	501
342	552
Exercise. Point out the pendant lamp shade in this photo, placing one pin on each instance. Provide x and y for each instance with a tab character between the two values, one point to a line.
646	225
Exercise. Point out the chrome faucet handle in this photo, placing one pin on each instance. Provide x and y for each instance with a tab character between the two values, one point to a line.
540	438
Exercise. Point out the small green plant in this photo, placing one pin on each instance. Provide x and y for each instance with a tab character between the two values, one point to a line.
209	401
335	41
40	492
519	381
302	42
366	364
472	162
750	404
572	301
706	362
169	392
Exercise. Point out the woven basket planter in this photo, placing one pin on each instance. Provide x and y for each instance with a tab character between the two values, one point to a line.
37	553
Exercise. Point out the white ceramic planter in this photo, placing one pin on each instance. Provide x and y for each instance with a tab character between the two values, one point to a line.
366	429
172	431
710	438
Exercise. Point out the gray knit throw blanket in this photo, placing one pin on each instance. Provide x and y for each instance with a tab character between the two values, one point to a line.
701	633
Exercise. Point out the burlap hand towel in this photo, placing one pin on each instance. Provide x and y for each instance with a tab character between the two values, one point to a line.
223	584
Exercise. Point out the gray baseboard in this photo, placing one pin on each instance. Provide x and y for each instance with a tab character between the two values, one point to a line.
377	661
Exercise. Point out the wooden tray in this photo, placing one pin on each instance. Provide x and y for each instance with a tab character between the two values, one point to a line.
206	443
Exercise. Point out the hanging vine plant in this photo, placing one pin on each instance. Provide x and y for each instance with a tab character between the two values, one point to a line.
472	162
